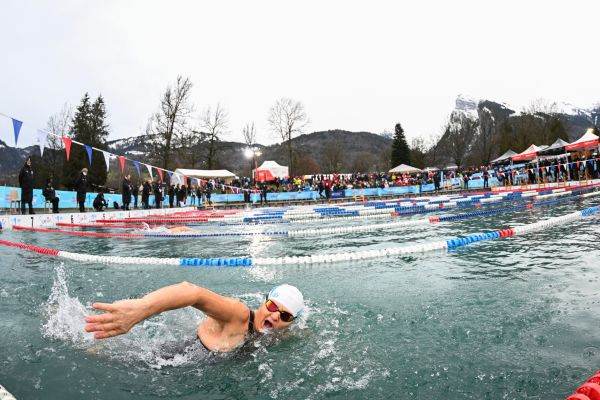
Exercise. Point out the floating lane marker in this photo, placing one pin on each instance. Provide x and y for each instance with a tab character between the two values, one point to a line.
5	395
323	231
449	244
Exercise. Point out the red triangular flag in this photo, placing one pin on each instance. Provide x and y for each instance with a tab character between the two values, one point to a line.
67	142
160	173
122	163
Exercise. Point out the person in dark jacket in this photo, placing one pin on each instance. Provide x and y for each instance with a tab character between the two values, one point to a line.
171	194
135	191
157	194
81	186
26	184
100	202
180	194
50	195
146	189
263	194
126	192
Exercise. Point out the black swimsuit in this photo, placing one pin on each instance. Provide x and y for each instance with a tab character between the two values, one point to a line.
250	329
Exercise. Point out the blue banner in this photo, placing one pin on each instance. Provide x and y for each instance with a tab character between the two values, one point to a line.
17	128
137	166
89	150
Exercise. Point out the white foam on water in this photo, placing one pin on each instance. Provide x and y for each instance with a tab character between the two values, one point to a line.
65	314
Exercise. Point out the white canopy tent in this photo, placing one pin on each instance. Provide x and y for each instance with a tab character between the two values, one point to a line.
587	141
504	157
404	169
204	174
271	169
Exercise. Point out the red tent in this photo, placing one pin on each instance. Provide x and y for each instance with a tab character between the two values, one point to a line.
587	141
263	175
528	154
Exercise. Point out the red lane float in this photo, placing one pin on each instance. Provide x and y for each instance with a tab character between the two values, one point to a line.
30	247
80	233
150	221
96	225
590	390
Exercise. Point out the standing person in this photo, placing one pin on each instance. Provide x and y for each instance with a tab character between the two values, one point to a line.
126	192
208	193
146	189
171	194
466	180
135	191
157	194
193	194
486	177
199	194
81	186
26	184
178	195
263	194
50	195
436	180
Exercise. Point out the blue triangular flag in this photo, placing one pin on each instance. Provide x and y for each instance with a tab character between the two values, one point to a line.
17	127
137	166
89	150
170	175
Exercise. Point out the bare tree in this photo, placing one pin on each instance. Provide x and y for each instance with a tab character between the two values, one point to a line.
288	119
249	133
333	157
188	147
485	140
214	123
458	136
433	150
171	122
58	125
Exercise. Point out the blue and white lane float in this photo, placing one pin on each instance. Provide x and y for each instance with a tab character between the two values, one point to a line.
440	245
383	210
5	395
323	231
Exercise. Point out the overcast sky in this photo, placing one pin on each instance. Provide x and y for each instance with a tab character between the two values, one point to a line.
356	65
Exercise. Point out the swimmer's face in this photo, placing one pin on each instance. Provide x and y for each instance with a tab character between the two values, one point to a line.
266	320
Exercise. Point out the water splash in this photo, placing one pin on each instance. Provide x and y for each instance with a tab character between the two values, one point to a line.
65	314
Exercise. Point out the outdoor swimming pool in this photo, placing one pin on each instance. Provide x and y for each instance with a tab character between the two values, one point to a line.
511	318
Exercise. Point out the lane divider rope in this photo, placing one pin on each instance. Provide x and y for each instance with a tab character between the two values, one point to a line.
448	244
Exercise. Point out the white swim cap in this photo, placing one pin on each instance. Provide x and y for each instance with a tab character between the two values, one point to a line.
288	296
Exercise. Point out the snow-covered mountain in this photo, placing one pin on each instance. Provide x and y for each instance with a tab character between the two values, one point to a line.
481	129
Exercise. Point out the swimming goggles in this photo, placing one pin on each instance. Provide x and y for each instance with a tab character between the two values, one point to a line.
284	315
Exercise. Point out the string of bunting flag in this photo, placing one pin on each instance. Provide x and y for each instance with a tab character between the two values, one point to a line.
42	136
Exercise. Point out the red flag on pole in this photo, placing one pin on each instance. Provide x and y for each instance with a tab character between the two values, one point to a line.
67	142
122	163
160	173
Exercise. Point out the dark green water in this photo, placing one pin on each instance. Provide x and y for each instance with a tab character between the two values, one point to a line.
506	319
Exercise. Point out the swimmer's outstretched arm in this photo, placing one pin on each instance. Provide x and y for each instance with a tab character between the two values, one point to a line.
120	316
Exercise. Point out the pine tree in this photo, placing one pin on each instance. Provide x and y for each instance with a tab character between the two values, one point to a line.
400	149
88	127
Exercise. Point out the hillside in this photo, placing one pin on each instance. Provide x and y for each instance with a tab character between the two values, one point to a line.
317	152
481	130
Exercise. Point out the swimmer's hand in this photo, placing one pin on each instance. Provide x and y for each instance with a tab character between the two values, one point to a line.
118	319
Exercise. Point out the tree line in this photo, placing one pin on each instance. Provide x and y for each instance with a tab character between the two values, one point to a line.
468	141
175	134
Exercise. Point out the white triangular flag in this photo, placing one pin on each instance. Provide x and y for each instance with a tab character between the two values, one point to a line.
106	159
40	140
149	171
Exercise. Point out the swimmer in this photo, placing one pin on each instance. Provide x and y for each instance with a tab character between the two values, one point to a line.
163	229
228	322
